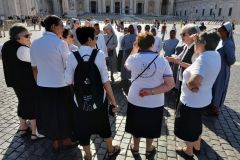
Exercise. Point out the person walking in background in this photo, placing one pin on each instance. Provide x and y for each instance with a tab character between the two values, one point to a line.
226	48
151	77
170	44
100	39
18	75
164	30
196	93
158	44
48	57
111	43
76	25
127	46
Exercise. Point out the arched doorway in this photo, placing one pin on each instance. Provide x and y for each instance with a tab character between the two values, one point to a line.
164	7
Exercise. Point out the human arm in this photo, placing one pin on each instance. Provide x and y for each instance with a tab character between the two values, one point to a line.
229	53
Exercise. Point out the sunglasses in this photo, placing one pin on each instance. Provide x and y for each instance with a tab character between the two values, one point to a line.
27	35
183	34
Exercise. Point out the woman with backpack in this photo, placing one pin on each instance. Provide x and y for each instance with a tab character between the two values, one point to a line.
87	71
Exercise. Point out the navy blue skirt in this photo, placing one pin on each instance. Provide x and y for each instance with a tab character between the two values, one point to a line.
144	122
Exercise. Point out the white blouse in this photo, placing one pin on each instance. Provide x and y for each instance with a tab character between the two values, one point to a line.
49	54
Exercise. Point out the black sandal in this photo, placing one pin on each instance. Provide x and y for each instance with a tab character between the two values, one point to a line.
24	132
114	153
135	153
151	154
183	154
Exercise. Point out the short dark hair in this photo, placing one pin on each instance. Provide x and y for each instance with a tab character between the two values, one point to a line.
211	39
49	21
131	29
15	30
145	40
96	24
66	32
147	27
83	33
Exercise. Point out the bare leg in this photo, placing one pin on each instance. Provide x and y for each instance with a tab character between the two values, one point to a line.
34	126
189	149
109	144
149	146
136	142
23	124
87	151
197	144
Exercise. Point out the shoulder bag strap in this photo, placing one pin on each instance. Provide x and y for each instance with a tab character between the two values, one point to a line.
109	39
145	68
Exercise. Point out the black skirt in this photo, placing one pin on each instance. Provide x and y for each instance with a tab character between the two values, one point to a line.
26	102
188	123
144	122
88	123
55	107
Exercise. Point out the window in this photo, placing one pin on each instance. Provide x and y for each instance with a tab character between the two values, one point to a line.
196	11
185	13
219	11
203	12
176	13
230	12
211	12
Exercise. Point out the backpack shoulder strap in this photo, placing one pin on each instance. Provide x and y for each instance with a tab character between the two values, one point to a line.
93	55
78	57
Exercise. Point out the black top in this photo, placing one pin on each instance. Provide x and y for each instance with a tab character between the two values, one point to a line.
17	73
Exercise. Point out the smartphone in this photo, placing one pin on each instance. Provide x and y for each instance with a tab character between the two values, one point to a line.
110	110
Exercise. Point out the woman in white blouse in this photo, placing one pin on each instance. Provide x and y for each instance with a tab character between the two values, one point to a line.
196	93
19	76
48	57
151	77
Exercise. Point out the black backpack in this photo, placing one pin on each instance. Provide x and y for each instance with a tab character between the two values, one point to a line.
88	86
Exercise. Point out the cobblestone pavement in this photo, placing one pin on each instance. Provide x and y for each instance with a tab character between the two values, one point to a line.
221	136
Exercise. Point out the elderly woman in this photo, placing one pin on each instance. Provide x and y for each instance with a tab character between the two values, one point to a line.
111	43
48	56
151	77
68	37
196	93
18	75
226	48
88	120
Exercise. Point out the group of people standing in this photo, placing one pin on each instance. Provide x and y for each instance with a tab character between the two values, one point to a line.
52	75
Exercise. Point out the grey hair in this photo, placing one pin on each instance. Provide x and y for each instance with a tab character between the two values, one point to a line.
15	30
109	26
191	29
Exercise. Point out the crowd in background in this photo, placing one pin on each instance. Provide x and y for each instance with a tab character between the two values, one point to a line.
67	58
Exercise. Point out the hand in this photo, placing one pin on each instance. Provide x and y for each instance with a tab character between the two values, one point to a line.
196	89
145	92
170	59
115	109
194	36
177	61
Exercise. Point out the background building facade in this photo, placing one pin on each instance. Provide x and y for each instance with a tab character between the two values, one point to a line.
184	9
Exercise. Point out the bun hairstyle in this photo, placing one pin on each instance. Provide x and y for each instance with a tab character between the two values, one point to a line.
49	21
15	30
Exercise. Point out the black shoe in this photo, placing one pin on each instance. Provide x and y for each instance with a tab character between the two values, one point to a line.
151	154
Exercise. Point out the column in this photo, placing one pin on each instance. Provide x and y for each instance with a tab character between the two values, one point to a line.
170	7
134	6
145	6
86	6
112	6
123	7
131	7
104	6
99	3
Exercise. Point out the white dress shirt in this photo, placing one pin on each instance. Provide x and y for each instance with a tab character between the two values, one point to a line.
157	47
23	53
49	54
101	44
